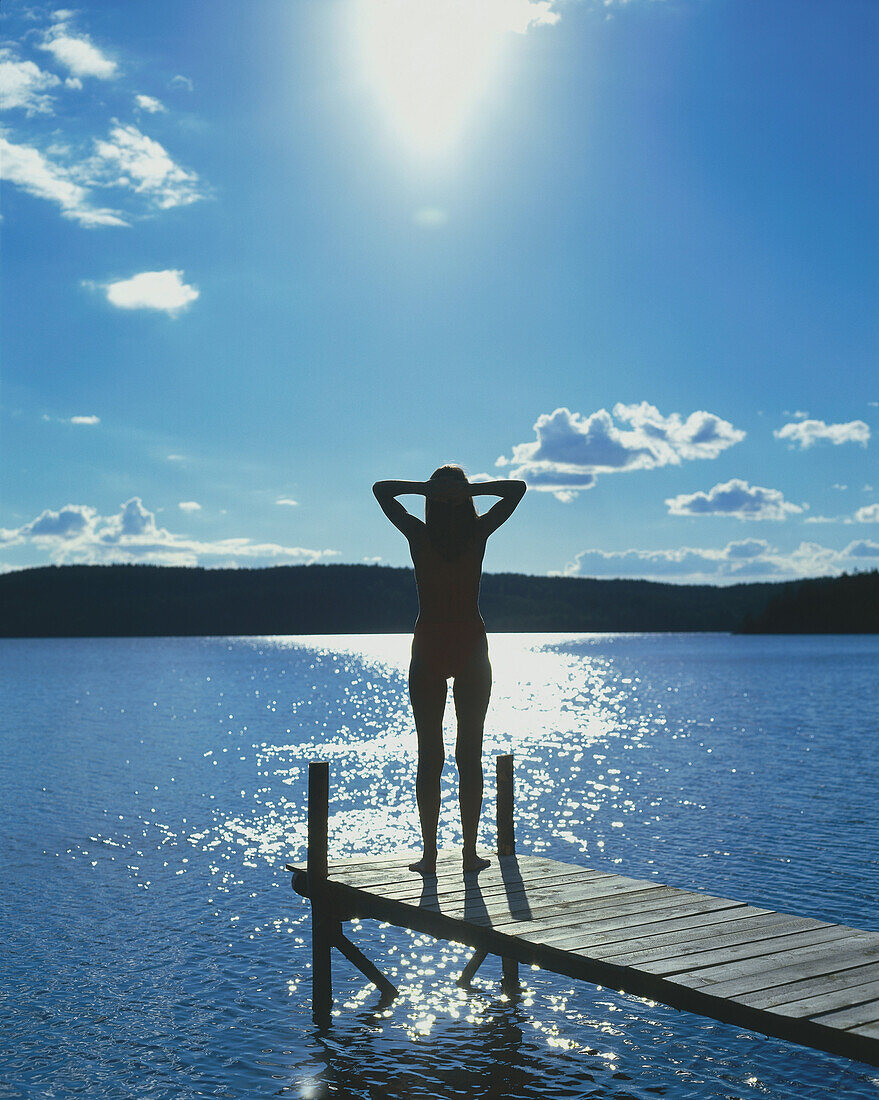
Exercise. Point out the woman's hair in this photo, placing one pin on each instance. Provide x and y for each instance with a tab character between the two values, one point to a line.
450	527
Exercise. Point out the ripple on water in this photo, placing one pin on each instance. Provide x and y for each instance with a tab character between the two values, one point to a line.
157	786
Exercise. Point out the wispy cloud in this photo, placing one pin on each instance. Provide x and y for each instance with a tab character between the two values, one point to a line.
868	514
745	560
806	433
77	534
61	156
189	506
29	169
24	85
160	290
83	419
289	501
734	498
129	159
571	449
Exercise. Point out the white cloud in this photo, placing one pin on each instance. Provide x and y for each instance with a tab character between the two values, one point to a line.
69	522
34	173
868	514
162	290
862	548
24	85
287	500
182	82
733	498
130	159
81	419
189	506
572	449
78	53
149	104
65	170
806	433
746	560
78	534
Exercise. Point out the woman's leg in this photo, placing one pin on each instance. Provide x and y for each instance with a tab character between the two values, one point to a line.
427	692
472	692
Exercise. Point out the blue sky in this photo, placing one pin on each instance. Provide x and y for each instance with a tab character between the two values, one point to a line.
257	256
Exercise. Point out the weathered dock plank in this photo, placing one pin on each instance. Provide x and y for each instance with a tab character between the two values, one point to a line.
786	975
799	979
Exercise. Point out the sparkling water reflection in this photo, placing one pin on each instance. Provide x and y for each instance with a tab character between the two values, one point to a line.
154	788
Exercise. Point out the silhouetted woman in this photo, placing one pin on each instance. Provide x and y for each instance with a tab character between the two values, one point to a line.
449	640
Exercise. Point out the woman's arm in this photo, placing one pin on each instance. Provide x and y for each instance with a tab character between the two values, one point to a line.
510	492
509	487
386	493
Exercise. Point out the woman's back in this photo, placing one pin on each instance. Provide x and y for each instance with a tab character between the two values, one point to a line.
448	588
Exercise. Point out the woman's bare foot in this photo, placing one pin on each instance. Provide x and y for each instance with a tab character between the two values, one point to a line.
425	866
473	862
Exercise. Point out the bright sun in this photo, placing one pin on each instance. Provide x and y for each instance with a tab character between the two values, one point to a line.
430	62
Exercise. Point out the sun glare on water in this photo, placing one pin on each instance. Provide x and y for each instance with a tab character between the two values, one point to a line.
430	63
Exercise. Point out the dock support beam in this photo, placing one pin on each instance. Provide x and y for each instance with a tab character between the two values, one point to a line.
322	923
476	960
506	846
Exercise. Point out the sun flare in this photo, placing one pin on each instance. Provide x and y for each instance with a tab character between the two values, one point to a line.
431	62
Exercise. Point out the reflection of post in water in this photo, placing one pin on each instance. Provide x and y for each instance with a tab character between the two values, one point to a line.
506	1071
461	1059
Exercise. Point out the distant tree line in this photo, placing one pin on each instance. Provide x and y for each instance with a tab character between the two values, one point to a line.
826	605
131	600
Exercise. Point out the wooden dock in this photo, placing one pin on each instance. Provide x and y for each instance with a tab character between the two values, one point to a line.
802	980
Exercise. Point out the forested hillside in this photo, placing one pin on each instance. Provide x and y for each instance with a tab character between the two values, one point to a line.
118	600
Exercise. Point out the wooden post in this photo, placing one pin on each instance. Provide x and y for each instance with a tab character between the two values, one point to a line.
321	917
506	846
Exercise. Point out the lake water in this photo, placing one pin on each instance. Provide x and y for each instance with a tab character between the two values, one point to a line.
152	790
